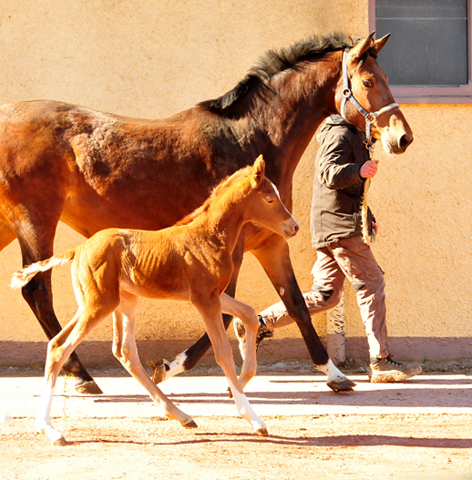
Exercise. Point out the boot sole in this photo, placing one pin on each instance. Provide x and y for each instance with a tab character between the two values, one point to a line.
393	377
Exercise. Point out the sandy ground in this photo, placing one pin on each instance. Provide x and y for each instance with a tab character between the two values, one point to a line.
302	447
421	430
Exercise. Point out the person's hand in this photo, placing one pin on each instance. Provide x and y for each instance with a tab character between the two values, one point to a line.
368	170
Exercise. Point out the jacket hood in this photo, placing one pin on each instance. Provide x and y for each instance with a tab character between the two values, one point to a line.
335	121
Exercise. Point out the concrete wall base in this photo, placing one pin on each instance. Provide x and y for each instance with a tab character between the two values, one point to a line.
100	354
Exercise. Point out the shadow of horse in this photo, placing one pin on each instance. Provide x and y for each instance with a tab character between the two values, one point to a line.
428	393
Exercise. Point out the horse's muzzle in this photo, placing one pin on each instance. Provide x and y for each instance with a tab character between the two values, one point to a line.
291	229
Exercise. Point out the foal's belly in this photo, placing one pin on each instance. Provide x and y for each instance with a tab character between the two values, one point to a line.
151	290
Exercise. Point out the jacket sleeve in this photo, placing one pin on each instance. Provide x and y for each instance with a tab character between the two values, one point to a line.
336	167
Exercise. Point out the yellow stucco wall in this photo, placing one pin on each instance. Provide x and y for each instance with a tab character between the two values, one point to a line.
153	59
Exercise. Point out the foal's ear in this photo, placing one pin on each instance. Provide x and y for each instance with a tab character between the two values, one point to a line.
258	171
358	50
378	44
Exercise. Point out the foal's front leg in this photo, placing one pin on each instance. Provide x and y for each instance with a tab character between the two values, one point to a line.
209	308
249	318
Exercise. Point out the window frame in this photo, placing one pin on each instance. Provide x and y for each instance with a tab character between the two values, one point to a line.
433	95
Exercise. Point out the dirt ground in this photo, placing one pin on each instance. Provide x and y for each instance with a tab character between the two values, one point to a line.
307	447
425	446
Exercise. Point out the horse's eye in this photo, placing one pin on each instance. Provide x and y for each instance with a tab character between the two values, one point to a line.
270	200
367	83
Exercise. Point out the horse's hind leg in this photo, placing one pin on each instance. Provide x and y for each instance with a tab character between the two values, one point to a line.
38	294
125	350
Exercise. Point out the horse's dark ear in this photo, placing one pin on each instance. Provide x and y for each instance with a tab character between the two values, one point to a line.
258	171
378	44
356	52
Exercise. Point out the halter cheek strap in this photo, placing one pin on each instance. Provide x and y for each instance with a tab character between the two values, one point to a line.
370	117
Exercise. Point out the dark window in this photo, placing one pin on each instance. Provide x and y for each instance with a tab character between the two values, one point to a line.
428	54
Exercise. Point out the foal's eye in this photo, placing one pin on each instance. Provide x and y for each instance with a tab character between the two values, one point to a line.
270	200
367	83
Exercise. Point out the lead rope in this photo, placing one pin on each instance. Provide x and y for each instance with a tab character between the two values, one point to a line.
367	239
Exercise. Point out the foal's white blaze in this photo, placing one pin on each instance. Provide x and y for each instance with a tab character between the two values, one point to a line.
278	195
43	421
276	190
331	370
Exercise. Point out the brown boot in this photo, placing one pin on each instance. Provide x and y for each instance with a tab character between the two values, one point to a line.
385	370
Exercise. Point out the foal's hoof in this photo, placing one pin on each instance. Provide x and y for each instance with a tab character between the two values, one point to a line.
190	424
60	442
54	436
88	387
341	384
158	371
262	432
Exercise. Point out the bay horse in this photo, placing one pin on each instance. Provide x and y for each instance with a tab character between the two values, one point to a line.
189	262
94	170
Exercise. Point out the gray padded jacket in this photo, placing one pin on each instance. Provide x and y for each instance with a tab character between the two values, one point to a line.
338	187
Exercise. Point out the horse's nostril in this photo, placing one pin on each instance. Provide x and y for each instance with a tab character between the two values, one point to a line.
296	228
404	141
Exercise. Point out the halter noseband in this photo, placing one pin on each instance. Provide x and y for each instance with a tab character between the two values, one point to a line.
370	117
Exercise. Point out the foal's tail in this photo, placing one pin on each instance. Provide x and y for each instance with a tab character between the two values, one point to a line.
21	278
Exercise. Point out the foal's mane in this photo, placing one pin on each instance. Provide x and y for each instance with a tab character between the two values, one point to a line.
274	62
216	192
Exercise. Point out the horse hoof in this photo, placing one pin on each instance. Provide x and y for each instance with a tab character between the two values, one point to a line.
262	432
158	371
341	384
190	424
88	387
60	442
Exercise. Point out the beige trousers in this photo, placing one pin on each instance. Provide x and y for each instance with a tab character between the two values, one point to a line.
349	258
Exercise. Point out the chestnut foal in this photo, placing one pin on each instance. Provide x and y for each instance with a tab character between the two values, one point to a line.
190	262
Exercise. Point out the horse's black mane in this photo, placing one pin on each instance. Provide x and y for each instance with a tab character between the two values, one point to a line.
221	187
274	62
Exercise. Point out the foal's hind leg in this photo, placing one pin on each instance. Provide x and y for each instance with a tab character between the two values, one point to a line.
38	245
125	350
59	349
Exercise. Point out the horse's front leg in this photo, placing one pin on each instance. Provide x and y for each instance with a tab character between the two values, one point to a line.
251	324
210	309
186	360
38	295
275	259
